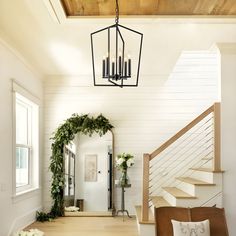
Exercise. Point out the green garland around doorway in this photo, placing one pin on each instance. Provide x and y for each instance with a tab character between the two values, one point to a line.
62	136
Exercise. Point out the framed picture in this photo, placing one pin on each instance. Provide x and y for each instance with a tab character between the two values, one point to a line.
90	168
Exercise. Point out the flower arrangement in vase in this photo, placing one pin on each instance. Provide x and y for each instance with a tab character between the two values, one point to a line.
123	162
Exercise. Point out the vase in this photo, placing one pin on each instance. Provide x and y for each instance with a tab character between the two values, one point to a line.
124	179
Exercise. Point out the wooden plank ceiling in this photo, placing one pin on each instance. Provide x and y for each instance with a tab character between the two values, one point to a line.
149	7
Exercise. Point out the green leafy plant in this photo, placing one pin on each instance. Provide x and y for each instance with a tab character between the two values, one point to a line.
62	136
41	216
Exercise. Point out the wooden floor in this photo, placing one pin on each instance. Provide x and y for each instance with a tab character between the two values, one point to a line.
88	226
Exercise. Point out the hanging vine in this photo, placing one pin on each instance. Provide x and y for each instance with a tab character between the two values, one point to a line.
62	136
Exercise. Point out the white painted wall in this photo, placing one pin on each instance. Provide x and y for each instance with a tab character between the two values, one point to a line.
228	128
95	194
14	213
144	117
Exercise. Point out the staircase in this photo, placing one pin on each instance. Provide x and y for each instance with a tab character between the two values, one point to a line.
184	171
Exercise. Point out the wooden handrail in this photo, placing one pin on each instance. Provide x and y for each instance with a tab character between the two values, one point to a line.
182	132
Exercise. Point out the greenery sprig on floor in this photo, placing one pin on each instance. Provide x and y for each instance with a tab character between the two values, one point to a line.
62	136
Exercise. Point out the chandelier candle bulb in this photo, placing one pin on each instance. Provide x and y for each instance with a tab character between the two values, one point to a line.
103	67
107	66
129	67
113	67
119	65
125	68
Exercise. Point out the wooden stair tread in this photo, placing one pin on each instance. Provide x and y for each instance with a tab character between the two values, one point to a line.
194	181
207	170
159	201
138	210
177	193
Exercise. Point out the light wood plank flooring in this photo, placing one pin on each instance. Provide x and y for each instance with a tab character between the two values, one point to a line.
88	226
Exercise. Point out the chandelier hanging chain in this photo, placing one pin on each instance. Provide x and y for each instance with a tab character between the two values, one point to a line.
117	12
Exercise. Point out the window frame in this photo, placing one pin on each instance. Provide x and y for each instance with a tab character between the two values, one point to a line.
23	96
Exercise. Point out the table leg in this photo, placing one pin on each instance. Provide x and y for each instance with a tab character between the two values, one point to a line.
123	204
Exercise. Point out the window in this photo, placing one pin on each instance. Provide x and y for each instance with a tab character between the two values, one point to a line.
26	141
22	166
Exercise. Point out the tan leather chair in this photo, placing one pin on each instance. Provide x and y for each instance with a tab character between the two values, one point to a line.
164	215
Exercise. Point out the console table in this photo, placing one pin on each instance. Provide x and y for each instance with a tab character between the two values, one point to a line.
123	210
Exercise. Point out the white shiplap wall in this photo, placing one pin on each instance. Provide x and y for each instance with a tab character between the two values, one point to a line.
144	117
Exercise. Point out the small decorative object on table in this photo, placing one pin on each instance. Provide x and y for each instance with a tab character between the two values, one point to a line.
72	209
31	232
123	162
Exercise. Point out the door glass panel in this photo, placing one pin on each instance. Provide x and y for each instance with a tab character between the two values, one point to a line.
72	186
66	189
66	163
72	165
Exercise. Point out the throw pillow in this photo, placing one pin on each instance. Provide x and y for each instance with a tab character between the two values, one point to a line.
201	228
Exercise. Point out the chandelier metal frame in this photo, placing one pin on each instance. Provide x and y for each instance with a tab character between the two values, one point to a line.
118	71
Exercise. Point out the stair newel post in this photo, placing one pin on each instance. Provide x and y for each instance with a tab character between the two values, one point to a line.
217	138
145	200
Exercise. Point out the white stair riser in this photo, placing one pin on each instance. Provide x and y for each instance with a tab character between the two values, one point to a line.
203	194
207	192
186	202
209	177
198	190
215	201
169	198
188	188
204	176
204	200
145	229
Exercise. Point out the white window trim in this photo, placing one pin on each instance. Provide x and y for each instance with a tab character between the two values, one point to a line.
33	189
29	146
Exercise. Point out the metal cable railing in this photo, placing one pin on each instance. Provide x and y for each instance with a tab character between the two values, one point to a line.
195	146
154	173
184	140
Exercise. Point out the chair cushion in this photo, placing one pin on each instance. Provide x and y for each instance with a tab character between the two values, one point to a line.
200	228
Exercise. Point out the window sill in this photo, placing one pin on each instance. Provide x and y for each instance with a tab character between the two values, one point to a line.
26	194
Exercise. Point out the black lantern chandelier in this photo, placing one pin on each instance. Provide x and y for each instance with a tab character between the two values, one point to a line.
116	65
